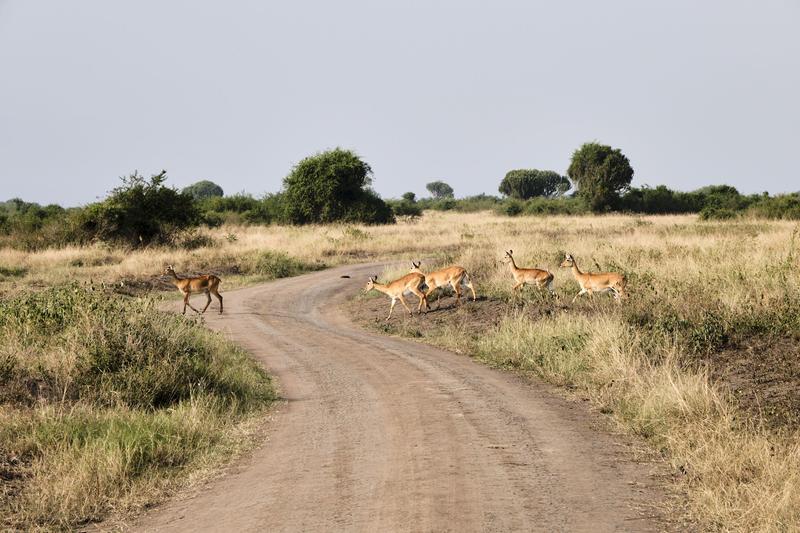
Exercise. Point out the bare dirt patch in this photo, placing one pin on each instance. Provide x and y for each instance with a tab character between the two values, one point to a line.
763	374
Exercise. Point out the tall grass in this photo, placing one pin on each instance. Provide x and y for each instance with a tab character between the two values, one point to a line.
106	403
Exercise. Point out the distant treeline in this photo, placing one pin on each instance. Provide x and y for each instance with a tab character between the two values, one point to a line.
335	186
712	202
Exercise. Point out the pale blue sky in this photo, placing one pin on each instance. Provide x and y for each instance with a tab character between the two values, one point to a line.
237	92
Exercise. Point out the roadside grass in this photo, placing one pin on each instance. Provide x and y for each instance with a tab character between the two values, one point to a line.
107	404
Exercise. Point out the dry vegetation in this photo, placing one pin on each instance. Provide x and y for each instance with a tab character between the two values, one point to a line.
701	360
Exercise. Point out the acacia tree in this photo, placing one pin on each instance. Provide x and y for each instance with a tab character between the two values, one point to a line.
600	173
439	189
333	186
527	183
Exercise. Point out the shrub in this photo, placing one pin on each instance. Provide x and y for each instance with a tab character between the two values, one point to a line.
712	212
141	212
512	208
660	200
567	205
333	186
203	189
404	208
785	206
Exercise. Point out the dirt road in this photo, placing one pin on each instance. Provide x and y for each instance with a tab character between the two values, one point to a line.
382	434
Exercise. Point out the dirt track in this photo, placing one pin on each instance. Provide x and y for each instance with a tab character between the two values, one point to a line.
382	434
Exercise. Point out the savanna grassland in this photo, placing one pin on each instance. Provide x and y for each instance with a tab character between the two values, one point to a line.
701	361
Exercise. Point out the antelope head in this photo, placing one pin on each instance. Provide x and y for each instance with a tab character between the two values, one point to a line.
568	261
370	284
507	258
415	266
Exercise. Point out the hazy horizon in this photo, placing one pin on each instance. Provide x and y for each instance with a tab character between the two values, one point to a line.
460	91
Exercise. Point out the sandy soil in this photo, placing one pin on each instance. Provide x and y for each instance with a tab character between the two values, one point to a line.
381	434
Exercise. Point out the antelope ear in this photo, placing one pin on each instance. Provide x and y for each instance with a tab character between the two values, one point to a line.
510	252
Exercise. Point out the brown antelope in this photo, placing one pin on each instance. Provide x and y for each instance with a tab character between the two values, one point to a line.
591	282
208	284
455	276
409	283
532	276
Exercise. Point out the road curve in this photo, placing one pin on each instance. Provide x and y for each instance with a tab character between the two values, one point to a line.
382	434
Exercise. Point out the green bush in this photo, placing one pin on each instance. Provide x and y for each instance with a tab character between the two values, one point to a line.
512	208
333	186
203	189
141	212
784	206
660	200
567	205
712	212
405	208
237	203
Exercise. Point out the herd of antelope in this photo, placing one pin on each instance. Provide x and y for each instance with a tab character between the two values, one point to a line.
423	285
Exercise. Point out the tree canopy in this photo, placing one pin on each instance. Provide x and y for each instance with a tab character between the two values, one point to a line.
439	189
600	173
203	189
528	183
333	186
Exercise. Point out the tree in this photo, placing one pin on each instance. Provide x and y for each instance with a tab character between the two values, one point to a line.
600	173
439	189
141	212
203	189
527	183
410	197
333	186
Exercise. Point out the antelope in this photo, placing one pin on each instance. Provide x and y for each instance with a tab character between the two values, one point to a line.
411	282
455	276
591	282
208	284
531	276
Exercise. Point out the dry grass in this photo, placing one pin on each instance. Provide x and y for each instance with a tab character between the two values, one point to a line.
695	288
107	404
